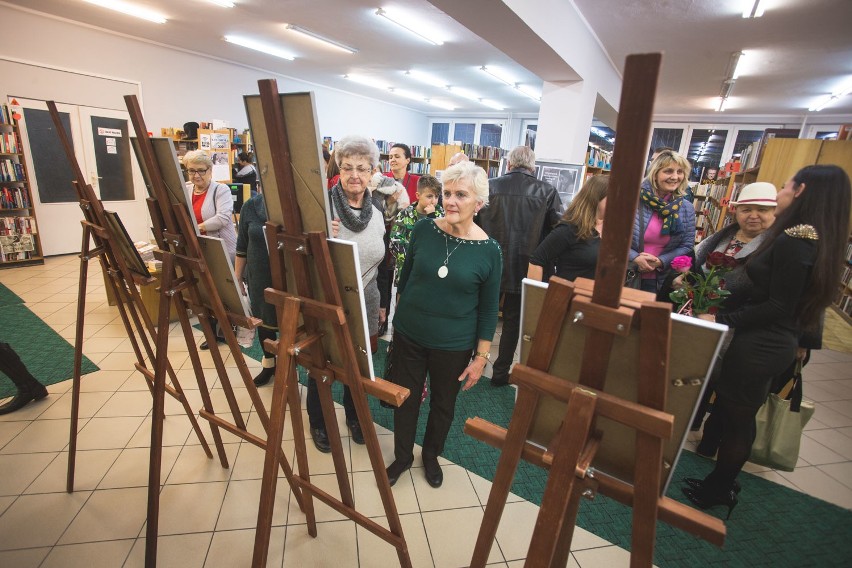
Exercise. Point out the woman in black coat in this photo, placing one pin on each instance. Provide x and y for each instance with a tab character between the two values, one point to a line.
794	273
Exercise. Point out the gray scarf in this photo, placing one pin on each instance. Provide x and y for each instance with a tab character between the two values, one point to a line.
352	221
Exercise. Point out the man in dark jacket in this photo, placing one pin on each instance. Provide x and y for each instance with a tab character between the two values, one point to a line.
521	211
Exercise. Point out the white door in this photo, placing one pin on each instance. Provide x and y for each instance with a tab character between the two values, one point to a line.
102	147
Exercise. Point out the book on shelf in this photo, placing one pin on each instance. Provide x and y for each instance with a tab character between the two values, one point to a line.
14	198
8	143
11	170
416	151
18	226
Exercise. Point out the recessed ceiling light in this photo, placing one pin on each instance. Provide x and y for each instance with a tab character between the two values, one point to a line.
409	24
322	39
131	10
259	46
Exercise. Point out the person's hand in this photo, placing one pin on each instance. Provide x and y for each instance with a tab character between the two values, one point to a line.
429	209
393	197
383	315
335	227
644	262
472	373
801	353
677	283
707	317
241	284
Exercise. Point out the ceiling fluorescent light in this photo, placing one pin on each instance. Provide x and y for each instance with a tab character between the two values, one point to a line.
723	102
753	9
223	3
491	104
408	25
407	94
439	104
498	75
736	61
259	46
830	99
130	10
425	78
324	40
528	91
368	81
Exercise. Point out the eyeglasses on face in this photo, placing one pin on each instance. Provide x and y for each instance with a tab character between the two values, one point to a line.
347	169
200	172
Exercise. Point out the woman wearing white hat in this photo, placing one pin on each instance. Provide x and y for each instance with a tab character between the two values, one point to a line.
754	212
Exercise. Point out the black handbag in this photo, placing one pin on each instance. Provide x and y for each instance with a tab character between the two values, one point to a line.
633	278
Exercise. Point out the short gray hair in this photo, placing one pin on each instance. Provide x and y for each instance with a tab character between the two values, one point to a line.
470	173
458	157
522	157
197	157
356	146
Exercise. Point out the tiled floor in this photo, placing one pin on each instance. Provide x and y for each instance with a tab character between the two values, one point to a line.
208	513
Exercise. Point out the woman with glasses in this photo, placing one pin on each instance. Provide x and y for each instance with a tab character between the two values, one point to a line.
212	206
356	216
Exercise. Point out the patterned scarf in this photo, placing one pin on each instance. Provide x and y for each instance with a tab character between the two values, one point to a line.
668	210
352	221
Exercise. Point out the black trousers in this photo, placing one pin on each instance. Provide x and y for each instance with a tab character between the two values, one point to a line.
409	365
264	333
508	337
14	368
738	430
315	407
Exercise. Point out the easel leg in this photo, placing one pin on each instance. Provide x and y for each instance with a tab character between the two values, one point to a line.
507	465
561	480
330	416
78	360
275	433
303	498
157	415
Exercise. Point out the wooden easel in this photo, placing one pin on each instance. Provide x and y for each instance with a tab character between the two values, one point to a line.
123	282
186	272
606	315
320	306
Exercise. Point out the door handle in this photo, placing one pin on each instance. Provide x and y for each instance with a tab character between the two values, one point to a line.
94	177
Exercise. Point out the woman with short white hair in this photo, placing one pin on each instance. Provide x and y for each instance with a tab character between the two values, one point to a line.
446	317
213	207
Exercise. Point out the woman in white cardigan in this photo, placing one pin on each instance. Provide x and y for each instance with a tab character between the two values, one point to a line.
212	206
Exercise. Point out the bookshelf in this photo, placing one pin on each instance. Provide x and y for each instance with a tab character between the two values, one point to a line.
486	157
420	157
219	141
19	241
843	299
598	161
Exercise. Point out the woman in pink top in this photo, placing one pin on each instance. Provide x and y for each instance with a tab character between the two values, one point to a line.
665	221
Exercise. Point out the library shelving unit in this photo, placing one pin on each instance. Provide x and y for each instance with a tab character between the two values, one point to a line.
486	157
598	161
19	240
843	300
420	157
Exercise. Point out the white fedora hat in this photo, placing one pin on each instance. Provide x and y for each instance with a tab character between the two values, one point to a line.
758	193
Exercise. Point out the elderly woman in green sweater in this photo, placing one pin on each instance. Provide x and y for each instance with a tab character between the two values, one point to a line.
446	317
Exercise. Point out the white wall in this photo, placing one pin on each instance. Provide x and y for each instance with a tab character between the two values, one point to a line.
169	97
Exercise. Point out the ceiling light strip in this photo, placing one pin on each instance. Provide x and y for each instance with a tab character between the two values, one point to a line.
131	10
322	39
395	19
498	75
259	46
753	9
223	3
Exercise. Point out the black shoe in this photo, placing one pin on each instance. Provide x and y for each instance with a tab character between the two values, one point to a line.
204	346
432	469
383	328
264	376
396	469
320	438
24	397
357	433
704	499
696	483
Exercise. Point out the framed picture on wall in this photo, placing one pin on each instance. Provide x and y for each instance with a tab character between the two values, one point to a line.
566	178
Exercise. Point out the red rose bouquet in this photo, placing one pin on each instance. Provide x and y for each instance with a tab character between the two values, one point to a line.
700	292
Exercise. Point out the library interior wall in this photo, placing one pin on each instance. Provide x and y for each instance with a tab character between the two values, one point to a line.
178	86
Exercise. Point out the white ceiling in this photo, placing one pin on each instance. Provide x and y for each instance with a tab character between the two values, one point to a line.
798	51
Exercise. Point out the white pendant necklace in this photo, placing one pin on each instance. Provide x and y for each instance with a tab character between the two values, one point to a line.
443	270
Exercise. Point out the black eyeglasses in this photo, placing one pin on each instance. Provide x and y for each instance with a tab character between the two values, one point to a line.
199	172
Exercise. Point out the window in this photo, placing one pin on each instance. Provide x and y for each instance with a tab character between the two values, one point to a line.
440	132
491	134
464	132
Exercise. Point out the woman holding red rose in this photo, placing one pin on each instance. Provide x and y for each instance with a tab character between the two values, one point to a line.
793	272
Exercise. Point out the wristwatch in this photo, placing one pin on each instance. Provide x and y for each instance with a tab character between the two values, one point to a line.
484	354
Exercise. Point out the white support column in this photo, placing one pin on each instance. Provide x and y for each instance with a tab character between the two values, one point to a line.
564	121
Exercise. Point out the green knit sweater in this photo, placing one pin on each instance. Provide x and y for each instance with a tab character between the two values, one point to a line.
450	313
